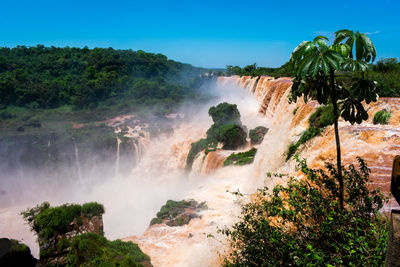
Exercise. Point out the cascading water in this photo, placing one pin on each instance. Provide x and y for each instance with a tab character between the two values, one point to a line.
131	201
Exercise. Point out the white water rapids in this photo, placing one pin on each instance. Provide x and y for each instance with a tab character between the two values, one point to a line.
132	200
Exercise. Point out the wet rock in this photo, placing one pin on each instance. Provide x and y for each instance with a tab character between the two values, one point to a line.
257	135
14	253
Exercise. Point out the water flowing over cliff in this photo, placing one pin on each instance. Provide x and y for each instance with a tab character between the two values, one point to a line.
132	199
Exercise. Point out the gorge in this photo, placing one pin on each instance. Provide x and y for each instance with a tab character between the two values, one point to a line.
131	198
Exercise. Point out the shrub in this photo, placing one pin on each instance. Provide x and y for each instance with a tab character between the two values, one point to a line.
227	129
172	209
91	209
242	158
318	120
302	223
225	113
382	117
46	220
257	134
91	249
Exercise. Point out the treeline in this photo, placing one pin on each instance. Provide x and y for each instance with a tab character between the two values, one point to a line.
254	70
386	72
49	77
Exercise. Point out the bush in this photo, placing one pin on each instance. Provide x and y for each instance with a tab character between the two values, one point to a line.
225	113
91	249
382	117
227	129
46	220
302	223
257	135
318	120
242	158
172	209
92	209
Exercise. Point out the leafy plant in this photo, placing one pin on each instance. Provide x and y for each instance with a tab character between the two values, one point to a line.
46	220
227	129
241	158
317	64
382	117
318	120
303	223
91	249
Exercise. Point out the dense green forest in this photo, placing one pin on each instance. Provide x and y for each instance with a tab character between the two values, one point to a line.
386	72
49	77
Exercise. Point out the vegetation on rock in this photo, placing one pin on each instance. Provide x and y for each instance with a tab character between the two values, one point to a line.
382	117
91	249
178	213
46	221
14	253
257	135
227	129
318	120
303	223
241	158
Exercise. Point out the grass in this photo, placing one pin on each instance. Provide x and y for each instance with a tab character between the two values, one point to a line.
382	117
241	158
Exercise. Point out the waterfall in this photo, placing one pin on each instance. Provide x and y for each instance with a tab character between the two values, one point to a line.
118	155
78	164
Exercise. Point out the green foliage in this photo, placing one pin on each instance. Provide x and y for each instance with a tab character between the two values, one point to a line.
295	110
382	117
257	134
231	136
318	120
91	249
91	209
227	129
197	147
303	224
49	77
172	208
254	70
241	158
19	247
46	220
317	65
225	113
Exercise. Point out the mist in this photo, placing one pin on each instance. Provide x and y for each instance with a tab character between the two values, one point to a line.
131	197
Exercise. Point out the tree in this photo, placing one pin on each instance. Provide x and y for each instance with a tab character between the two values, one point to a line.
302	224
317	66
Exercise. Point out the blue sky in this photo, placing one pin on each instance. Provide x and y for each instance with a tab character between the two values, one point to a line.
203	33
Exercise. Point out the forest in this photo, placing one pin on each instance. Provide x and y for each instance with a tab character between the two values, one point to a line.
50	77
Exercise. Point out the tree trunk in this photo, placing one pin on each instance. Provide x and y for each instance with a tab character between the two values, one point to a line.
336	124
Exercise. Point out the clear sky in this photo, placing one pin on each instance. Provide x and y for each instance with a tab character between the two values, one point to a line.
203	33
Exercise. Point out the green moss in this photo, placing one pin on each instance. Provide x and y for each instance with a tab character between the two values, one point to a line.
318	120
382	117
242	158
91	249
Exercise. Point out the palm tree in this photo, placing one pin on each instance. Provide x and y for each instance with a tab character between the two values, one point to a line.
316	65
